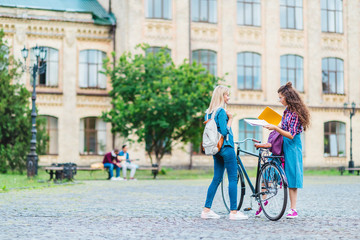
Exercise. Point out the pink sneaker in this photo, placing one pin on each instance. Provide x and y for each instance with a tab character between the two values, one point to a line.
259	211
292	214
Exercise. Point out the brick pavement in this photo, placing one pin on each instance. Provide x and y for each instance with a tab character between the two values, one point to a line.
159	209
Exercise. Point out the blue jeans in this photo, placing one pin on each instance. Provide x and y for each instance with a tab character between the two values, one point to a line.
111	167
226	158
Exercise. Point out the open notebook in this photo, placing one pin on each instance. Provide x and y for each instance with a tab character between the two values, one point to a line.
268	116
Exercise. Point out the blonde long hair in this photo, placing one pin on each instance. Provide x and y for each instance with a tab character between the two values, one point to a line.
217	99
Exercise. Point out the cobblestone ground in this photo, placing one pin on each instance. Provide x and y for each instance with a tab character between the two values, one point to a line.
329	208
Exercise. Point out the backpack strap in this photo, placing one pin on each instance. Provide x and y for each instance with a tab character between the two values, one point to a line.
212	117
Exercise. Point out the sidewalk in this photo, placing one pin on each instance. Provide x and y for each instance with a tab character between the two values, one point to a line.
328	209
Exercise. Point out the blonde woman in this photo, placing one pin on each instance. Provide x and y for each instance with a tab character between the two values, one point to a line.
225	158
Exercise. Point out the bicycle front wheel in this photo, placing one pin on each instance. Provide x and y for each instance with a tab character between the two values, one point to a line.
273	191
240	192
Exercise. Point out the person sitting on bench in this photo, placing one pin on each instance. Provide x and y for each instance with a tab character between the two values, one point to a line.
111	161
126	163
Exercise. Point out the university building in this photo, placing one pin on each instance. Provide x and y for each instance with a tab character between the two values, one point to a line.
258	45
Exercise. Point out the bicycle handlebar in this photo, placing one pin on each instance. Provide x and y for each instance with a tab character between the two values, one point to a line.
247	139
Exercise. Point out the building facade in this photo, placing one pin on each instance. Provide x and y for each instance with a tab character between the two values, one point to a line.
71	95
256	44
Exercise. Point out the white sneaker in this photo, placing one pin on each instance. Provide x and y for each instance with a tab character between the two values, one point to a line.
119	178
114	179
210	214
237	216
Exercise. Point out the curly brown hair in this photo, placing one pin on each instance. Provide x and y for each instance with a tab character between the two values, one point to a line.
295	104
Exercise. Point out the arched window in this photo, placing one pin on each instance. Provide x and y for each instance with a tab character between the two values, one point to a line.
334	139
332	16
333	75
207	58
249	71
155	50
4	63
291	14
249	12
92	136
90	65
50	77
204	11
292	71
51	127
248	131
158	9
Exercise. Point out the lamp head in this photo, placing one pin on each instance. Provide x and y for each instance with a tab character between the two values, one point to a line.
345	105
353	105
24	52
42	54
37	51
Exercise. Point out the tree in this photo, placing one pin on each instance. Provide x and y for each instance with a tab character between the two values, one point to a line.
15	114
157	101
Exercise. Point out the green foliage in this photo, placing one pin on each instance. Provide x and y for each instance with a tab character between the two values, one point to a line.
157	101
15	114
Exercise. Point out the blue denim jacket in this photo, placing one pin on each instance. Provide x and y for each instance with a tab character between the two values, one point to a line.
221	120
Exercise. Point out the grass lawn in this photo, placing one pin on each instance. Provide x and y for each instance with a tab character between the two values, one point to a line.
13	181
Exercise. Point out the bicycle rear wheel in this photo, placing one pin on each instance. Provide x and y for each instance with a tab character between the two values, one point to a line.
273	189
240	192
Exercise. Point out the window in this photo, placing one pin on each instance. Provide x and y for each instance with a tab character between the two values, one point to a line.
302	138
248	131
249	12
207	59
149	142
158	9
334	139
155	50
50	77
333	75
89	66
204	11
92	136
332	16
292	71
291	14
249	71
4	62
51	126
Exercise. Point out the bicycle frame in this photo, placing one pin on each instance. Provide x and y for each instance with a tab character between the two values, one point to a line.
244	172
260	157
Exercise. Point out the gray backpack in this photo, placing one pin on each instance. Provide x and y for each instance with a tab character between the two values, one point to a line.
212	139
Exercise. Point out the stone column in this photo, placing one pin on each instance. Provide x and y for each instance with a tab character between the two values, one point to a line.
312	27
69	122
271	58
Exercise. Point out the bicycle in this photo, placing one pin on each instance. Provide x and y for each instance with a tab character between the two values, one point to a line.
271	186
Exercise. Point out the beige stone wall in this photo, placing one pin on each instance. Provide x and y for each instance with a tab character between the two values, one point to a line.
70	103
270	41
67	102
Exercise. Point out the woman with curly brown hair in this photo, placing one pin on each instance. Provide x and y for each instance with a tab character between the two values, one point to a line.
295	120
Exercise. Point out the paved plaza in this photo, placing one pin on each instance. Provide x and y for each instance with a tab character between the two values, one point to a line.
329	208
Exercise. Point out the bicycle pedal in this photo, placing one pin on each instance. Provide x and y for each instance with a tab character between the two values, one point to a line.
248	209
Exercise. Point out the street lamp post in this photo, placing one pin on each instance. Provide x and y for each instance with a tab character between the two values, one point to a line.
32	158
352	113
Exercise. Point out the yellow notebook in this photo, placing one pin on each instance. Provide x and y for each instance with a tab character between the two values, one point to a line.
270	116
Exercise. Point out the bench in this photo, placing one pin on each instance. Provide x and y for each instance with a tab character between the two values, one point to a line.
65	171
154	170
343	169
